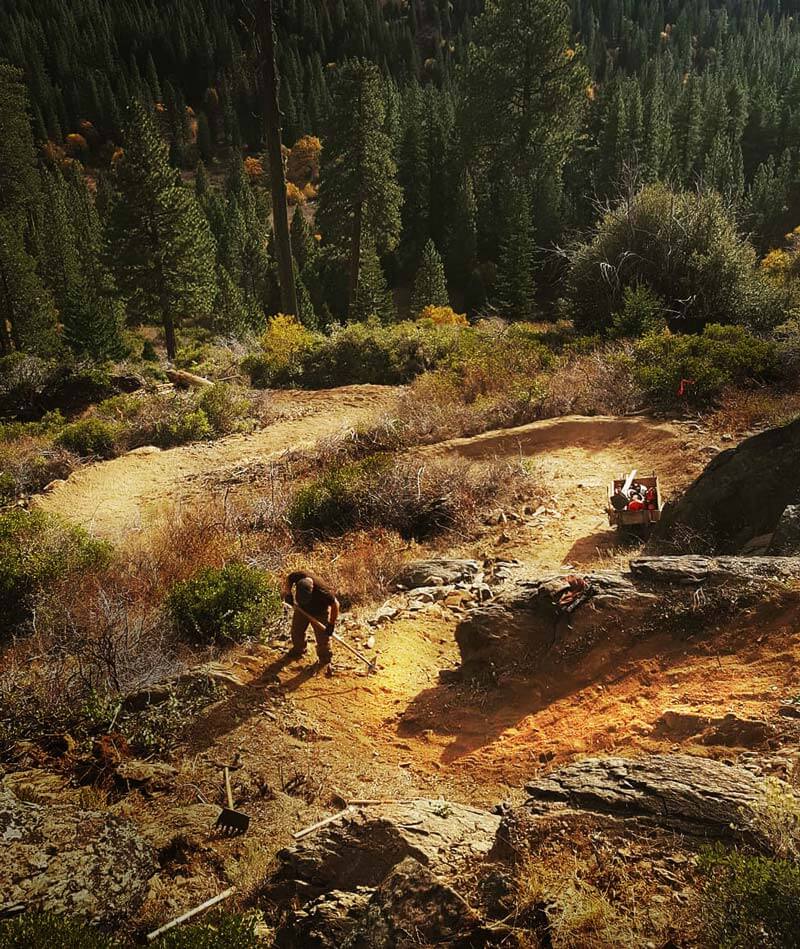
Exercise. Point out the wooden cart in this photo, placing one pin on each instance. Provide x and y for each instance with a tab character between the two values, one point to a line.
639	522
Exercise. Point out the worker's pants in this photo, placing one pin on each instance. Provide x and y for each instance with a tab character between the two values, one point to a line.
299	626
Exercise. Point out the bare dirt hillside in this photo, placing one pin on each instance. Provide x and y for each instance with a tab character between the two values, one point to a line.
117	497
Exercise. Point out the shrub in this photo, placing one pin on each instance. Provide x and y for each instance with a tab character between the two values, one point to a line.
224	407
443	316
37	549
693	369
233	603
685	248
50	931
88	437
285	345
641	312
414	500
750	900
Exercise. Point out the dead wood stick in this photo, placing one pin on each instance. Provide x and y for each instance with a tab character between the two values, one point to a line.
322	823
187	380
190	913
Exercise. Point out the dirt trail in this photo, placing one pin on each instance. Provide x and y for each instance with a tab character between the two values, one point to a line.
115	498
402	731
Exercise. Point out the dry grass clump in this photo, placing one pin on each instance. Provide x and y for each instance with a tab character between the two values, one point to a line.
595	383
414	497
746	410
30	462
360	566
776	819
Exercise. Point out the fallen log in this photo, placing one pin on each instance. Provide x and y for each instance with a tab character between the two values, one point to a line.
187	380
690	569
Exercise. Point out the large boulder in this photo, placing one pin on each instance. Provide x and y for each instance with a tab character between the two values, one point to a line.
361	849
741	495
413	907
690	569
71	861
786	539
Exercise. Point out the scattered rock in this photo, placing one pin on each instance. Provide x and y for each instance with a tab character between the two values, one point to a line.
789	711
40	787
151	775
71	861
325	922
145	450
735	732
420	573
52	485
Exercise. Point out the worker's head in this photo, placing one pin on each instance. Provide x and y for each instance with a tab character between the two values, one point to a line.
303	590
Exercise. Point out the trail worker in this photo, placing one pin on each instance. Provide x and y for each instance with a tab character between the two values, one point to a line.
312	596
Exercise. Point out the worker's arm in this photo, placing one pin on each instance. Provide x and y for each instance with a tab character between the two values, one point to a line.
333	615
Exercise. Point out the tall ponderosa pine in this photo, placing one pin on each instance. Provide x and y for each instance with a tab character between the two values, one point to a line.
160	243
430	288
515	287
524	87
358	188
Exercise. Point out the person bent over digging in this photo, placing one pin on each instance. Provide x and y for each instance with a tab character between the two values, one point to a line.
310	595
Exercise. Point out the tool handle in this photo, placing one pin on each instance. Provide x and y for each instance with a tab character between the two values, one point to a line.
228	794
318	626
355	652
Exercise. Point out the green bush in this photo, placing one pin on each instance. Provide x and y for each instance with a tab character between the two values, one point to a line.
705	363
339	499
685	248
37	549
353	354
233	603
89	436
191	425
49	931
224	407
642	312
750	901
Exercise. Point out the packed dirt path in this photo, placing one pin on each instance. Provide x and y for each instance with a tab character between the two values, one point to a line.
114	498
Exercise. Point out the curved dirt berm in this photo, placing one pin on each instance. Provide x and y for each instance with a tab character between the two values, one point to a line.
740	496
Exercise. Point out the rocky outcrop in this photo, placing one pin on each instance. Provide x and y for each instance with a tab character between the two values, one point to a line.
526	619
361	849
690	569
695	795
741	495
71	861
413	907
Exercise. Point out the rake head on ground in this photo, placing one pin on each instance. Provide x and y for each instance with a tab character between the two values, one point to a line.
231	822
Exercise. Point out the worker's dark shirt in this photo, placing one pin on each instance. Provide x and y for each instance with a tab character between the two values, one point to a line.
321	596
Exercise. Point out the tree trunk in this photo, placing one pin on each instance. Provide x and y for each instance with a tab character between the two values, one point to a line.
355	256
5	336
169	335
272	120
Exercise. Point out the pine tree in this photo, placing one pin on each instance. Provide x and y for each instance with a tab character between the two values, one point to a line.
302	239
161	247
372	297
27	313
19	184
524	86
358	188
430	288
413	174
515	287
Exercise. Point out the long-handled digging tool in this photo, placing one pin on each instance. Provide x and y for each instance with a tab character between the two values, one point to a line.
320	628
231	821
